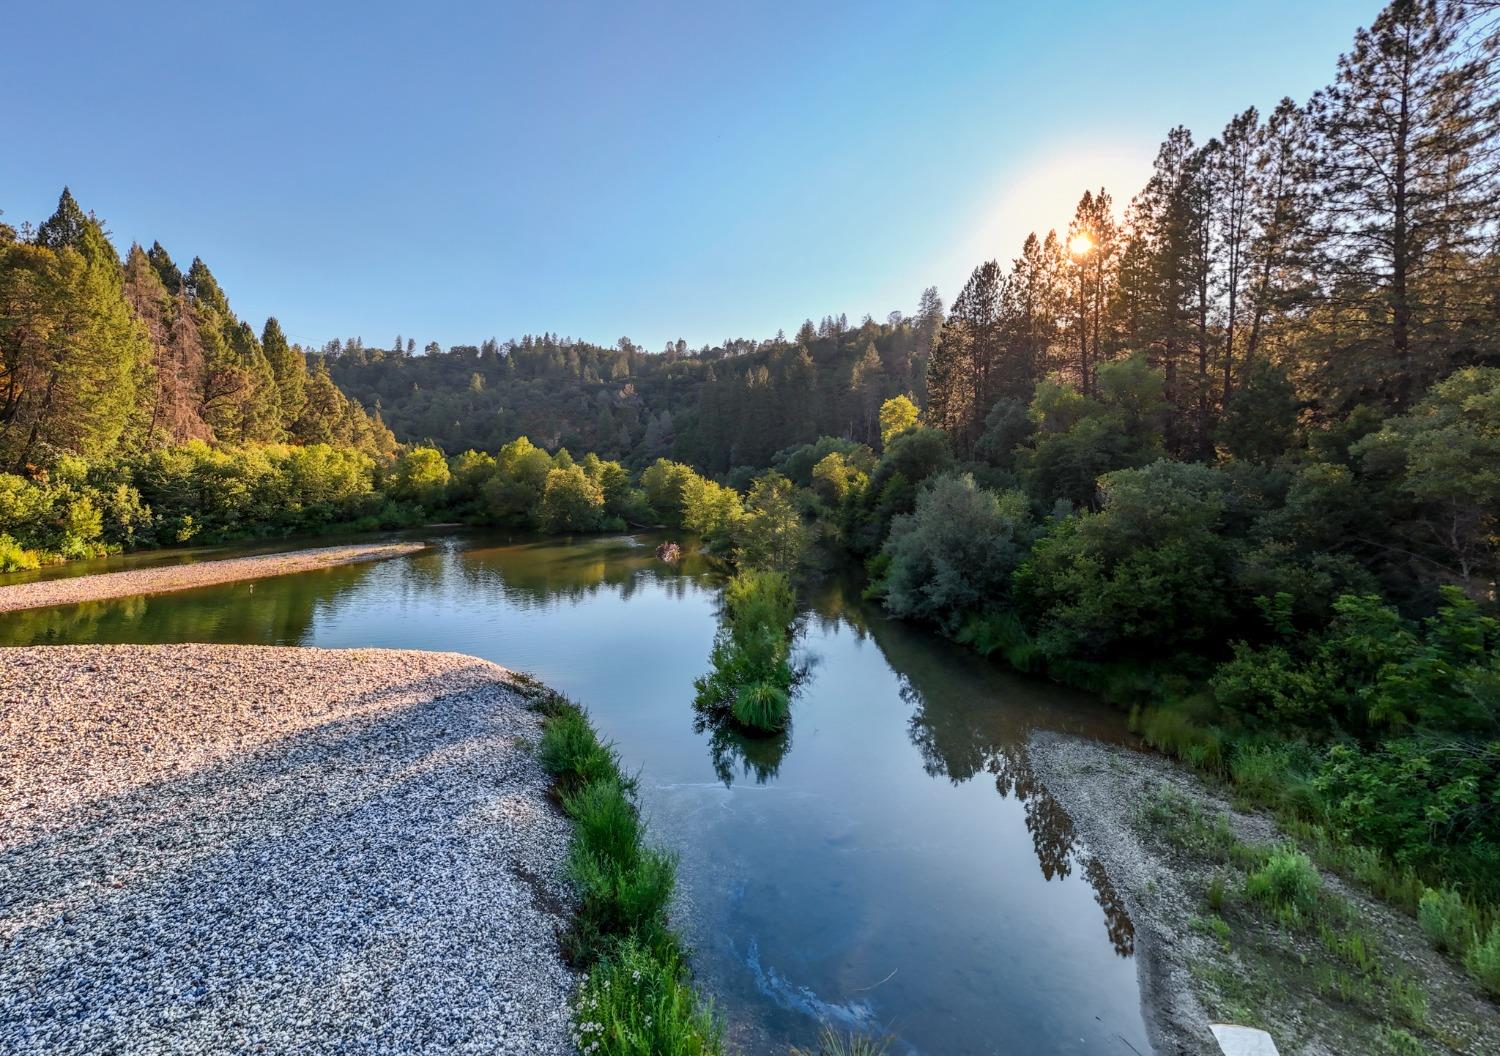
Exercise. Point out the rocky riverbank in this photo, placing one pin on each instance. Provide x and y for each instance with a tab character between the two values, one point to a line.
251	849
164	579
1344	974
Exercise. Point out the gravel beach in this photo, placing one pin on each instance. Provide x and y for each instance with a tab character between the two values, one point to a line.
1189	975
42	593
211	849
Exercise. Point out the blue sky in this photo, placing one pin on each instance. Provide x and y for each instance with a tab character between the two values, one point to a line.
696	170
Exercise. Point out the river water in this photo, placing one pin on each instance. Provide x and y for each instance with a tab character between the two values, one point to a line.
890	865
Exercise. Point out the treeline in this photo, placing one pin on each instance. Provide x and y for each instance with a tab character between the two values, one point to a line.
137	409
717	408
1232	463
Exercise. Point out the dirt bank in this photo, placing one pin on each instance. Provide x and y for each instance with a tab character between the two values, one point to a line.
1344	975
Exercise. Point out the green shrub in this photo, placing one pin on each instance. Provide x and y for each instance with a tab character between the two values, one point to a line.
605	821
14	558
571	752
1483	962
762	706
751	677
637	1002
1288	882
1446	920
621	898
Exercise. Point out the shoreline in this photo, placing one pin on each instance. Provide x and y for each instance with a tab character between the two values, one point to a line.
1176	850
258	848
163	579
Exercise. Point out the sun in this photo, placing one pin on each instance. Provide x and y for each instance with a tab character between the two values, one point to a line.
1080	244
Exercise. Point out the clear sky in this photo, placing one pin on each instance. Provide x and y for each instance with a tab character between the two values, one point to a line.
700	170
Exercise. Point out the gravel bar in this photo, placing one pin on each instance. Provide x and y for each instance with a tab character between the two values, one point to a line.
41	593
249	849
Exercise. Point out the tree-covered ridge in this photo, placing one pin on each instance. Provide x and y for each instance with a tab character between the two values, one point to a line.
100	356
717	408
136	409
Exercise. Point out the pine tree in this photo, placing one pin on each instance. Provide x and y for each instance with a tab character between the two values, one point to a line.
1408	190
288	367
166	270
65	227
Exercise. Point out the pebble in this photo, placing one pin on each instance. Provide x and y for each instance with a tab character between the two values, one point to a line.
213	849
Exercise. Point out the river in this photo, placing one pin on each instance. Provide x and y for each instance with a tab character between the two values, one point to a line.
889	865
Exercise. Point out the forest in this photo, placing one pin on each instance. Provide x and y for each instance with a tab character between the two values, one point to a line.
1228	455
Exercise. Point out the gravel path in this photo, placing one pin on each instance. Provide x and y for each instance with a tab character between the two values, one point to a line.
42	593
211	849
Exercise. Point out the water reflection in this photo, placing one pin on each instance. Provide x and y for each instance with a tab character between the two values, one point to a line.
891	861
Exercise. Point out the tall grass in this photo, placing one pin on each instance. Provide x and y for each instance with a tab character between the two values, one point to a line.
751	677
637	997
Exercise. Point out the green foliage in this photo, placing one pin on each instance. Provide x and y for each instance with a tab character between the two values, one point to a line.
1260	419
1288	882
421	476
751	676
1447	920
571	501
14	558
572	753
1080	438
637	1002
956	552
897	415
832	1043
1147	575
1483	962
771	534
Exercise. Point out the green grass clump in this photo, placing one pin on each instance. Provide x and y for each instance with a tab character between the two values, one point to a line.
637	1002
1446	920
573	754
832	1043
1483	962
762	706
751	679
1288	882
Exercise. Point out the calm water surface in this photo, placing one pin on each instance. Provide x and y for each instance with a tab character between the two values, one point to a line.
889	865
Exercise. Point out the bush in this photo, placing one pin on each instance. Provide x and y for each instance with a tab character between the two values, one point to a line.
636	1002
1446	920
604	820
13	558
1483	962
571	752
1288	882
751	678
956	552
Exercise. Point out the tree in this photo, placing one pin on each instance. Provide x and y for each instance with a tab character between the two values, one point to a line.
1443	458
71	350
959	388
65	228
771	537
954	554
897	415
571	501
1408	189
288	368
421	476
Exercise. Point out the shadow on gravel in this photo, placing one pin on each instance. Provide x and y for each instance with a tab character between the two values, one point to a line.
368	885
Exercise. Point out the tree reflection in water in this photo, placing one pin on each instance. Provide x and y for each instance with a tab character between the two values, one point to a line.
968	719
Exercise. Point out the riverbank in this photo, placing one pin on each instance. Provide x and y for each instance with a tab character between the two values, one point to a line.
244	848
164	579
1224	938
